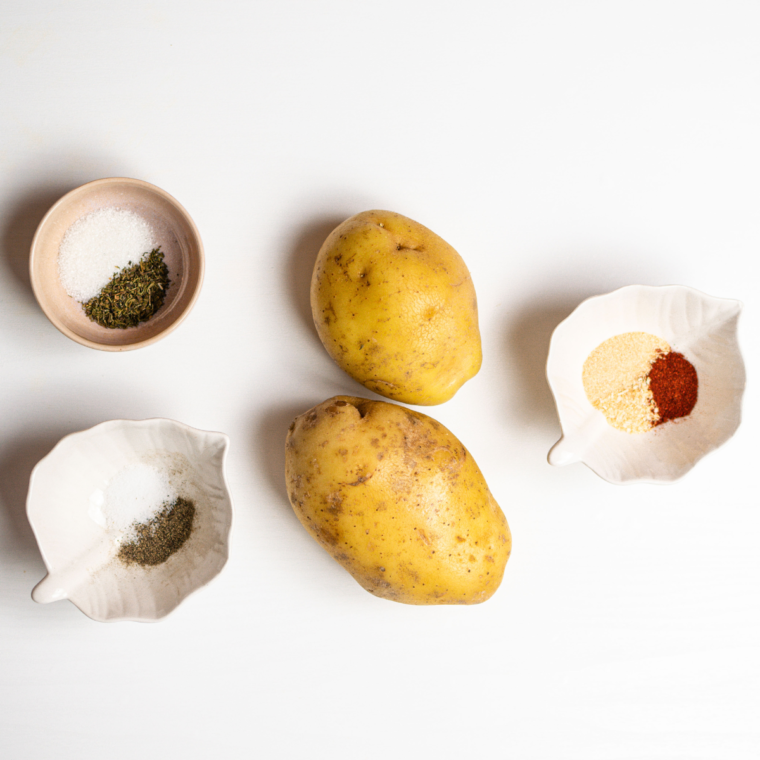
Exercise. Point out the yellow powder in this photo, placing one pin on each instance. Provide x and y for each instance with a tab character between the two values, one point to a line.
615	380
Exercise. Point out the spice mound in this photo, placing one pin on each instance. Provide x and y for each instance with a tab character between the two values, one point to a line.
97	244
160	537
108	260
638	382
148	517
674	385
134	295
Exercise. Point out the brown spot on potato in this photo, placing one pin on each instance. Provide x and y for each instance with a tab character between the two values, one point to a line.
334	504
324	535
361	479
423	536
410	572
379	584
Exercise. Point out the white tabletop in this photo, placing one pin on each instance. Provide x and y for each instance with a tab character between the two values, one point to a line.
565	150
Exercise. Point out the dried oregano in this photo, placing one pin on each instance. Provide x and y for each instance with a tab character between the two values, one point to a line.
134	295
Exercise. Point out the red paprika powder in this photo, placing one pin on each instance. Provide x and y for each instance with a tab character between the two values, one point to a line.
674	385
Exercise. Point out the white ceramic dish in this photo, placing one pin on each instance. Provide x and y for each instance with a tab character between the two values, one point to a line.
81	554
701	327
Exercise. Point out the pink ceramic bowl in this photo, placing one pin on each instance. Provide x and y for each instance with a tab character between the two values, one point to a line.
174	231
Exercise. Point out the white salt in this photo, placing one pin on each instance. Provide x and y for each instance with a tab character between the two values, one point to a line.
136	495
96	246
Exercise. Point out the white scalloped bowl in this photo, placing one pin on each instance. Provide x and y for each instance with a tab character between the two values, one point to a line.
699	326
80	553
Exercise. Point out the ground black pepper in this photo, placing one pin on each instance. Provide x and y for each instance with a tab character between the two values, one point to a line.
161	537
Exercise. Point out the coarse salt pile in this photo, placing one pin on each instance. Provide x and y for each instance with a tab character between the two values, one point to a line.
134	496
96	246
616	380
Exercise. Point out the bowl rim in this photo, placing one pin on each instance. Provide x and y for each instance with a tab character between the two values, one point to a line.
58	324
599	296
108	424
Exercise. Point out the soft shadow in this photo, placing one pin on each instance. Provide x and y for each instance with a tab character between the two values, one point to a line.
24	217
270	435
528	336
530	328
17	460
303	254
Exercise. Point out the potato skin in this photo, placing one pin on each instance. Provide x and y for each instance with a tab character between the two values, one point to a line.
397	500
395	307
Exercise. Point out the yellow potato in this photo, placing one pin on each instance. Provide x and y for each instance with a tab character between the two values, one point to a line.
397	500
395	307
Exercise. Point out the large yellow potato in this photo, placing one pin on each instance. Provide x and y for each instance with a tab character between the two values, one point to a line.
397	500
395	307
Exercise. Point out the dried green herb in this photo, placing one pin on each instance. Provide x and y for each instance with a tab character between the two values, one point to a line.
160	537
133	295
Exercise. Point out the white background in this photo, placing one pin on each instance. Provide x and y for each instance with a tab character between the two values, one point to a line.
565	149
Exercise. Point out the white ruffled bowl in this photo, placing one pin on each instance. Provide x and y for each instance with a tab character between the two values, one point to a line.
700	327
80	553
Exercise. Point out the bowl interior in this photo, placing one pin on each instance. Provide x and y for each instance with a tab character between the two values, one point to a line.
80	552
701	327
174	231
